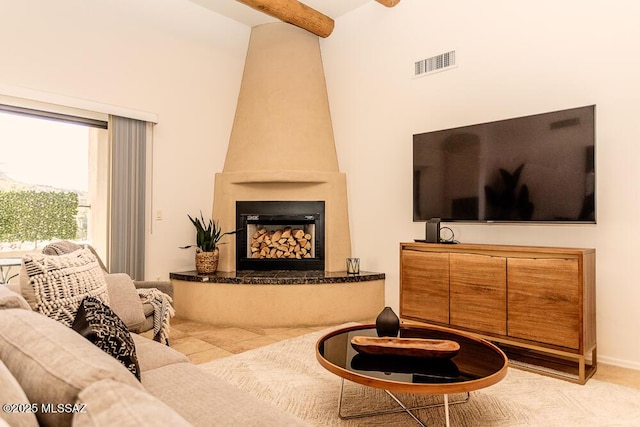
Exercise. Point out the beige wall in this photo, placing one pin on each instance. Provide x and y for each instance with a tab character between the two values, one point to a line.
515	58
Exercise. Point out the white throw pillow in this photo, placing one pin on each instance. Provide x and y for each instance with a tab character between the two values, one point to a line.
54	285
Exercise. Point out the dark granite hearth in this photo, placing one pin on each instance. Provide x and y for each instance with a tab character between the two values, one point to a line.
278	277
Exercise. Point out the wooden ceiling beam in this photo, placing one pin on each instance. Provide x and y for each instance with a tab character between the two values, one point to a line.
295	13
388	3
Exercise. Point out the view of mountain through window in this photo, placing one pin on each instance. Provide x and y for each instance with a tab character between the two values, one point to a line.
45	184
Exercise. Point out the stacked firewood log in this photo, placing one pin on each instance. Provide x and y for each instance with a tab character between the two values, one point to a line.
281	243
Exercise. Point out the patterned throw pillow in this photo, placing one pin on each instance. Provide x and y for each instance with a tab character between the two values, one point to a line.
55	284
62	247
99	324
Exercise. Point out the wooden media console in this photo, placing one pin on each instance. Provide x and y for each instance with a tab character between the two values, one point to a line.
536	303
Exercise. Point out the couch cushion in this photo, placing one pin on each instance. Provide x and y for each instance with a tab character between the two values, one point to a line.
55	285
60	247
152	354
53	363
13	286
205	400
148	324
101	326
109	403
147	309
124	300
19	413
10	299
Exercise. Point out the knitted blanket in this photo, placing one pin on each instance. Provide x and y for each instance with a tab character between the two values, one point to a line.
162	312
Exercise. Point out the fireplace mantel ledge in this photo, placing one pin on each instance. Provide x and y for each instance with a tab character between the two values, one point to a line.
277	277
296	176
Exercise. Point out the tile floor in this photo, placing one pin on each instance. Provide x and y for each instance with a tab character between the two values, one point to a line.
202	343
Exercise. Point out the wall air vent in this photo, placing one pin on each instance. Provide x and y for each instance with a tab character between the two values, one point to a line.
444	61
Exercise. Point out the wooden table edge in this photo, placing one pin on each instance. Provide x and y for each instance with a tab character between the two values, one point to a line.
416	388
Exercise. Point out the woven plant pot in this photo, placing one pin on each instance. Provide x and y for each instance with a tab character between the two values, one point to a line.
207	262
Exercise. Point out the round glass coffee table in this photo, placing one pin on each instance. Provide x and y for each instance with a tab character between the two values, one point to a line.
477	365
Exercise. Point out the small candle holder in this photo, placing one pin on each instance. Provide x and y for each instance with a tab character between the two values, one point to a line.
353	265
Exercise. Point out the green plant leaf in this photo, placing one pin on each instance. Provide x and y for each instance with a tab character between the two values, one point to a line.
207	237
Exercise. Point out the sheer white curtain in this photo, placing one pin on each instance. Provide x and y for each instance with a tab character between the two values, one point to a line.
127	199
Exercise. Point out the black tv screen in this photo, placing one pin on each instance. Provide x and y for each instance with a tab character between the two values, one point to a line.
538	168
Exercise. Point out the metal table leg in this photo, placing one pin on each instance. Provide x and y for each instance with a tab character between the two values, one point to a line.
446	409
402	408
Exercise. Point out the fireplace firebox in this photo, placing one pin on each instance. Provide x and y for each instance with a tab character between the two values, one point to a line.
280	235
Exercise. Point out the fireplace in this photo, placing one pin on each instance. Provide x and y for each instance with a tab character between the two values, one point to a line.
282	148
280	235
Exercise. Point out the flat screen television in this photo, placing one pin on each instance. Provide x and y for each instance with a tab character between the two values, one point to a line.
538	168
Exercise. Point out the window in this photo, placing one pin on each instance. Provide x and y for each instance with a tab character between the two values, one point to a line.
53	179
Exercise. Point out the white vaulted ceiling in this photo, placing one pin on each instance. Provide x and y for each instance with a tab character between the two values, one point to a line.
251	17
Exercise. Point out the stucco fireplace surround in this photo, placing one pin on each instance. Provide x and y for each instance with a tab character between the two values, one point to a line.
281	149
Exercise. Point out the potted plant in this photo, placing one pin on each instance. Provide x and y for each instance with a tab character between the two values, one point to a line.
207	238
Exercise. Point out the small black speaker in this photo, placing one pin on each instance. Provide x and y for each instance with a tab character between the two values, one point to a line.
433	230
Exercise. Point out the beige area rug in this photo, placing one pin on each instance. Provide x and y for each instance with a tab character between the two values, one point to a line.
287	375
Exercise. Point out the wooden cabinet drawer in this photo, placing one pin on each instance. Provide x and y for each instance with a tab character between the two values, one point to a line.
478	292
424	286
544	301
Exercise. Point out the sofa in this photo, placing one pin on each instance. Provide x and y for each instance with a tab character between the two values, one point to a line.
147	309
52	375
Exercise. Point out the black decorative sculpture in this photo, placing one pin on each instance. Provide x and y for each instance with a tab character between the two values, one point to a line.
387	323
